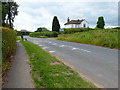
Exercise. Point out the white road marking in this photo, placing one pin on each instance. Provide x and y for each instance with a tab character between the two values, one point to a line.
51	51
74	48
84	50
40	45
49	42
54	44
62	46
45	47
36	43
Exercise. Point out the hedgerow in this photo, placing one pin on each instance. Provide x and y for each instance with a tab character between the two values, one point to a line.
44	34
8	42
74	30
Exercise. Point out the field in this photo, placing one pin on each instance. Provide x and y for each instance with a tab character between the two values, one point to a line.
49	72
101	37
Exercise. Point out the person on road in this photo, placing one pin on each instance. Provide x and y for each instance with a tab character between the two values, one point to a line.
22	37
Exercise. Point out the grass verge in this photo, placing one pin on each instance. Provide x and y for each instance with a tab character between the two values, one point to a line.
48	72
18	38
105	38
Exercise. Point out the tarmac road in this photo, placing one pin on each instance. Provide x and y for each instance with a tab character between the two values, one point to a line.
98	64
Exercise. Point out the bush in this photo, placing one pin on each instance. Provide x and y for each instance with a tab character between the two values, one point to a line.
74	30
24	33
8	43
44	34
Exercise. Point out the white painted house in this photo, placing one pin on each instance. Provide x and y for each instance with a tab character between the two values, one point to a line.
76	23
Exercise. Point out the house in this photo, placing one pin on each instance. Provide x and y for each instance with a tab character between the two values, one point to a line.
76	23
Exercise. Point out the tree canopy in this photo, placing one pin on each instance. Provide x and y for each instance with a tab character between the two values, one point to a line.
100	22
55	24
41	29
9	11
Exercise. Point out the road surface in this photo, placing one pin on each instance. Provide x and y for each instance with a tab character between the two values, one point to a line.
98	64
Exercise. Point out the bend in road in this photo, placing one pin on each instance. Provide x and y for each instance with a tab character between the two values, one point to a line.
97	63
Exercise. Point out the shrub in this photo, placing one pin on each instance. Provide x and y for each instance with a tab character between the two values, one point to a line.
24	33
74	30
8	43
44	34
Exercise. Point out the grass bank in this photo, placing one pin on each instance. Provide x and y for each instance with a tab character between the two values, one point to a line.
105	38
48	72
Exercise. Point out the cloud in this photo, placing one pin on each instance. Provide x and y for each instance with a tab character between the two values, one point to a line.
40	14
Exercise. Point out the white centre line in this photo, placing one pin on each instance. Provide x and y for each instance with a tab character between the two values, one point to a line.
54	44
84	50
45	47
51	51
49	42
36	43
40	45
74	48
62	46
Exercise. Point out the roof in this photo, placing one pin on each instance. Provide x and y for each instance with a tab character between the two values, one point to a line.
74	22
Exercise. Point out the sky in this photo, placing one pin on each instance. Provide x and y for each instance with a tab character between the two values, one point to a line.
39	13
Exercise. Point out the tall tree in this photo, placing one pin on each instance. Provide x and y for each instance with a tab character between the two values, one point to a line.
100	22
9	11
55	24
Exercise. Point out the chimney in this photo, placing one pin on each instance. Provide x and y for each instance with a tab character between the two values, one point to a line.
68	19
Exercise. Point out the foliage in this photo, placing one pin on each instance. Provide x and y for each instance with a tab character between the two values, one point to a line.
44	34
101	37
55	24
74	30
100	22
8	42
49	72
18	38
116	28
9	11
24	33
40	29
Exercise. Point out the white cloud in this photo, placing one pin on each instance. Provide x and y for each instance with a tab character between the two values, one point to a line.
40	14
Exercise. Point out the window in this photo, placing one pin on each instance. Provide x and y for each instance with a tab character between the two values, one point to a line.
84	25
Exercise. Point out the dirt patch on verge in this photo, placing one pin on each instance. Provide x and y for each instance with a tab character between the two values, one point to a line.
66	63
33	54
54	63
37	76
67	73
56	74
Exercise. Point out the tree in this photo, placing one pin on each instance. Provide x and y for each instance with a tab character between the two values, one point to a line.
44	29
41	29
55	24
9	11
100	22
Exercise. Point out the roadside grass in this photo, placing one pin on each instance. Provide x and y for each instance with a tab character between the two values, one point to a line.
18	38
49	72
105	38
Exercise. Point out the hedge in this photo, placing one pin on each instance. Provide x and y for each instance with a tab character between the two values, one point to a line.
44	34
24	33
74	30
8	42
